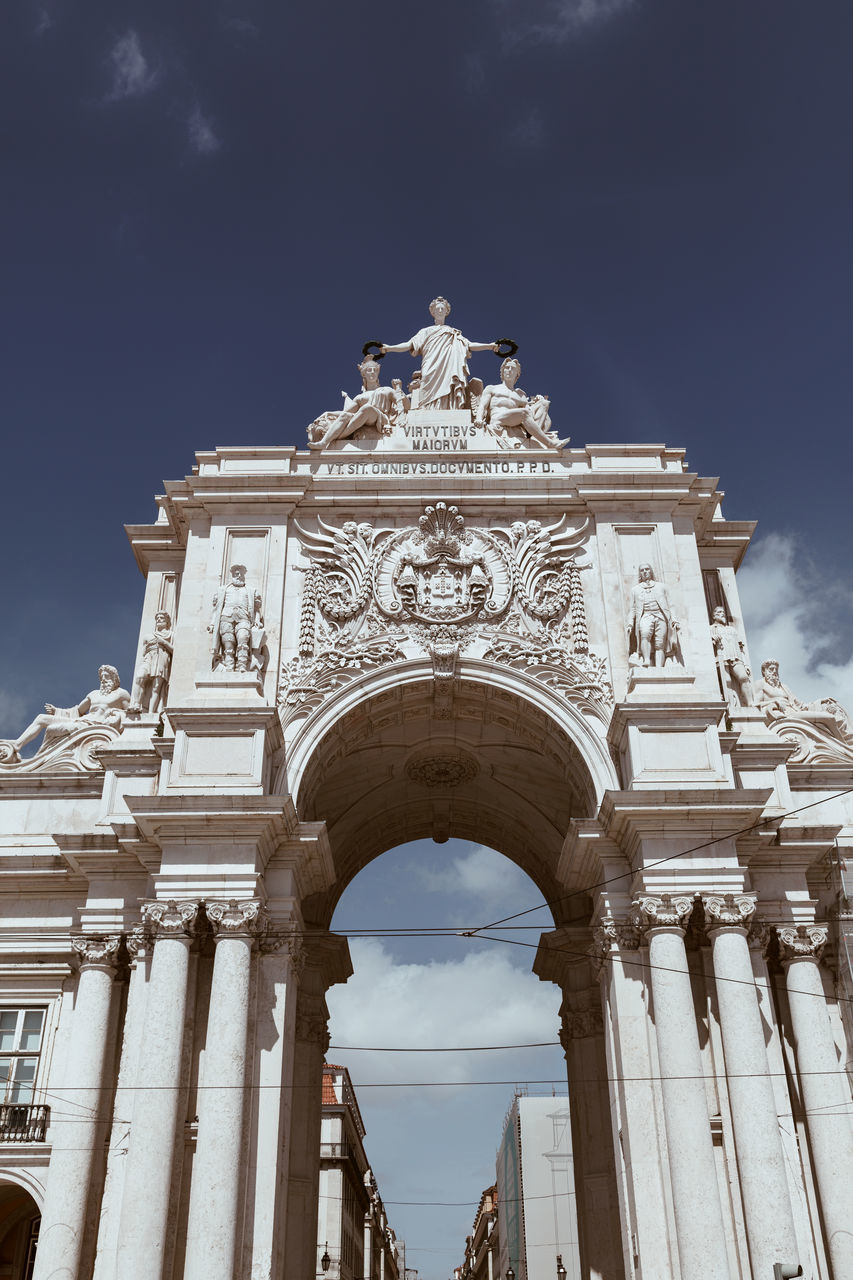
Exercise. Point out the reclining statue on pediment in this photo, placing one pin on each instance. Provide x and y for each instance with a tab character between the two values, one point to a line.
504	405
103	708
821	728
374	406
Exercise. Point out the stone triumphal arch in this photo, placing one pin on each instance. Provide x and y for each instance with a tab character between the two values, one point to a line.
439	620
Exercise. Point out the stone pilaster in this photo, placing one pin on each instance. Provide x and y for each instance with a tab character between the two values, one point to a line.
695	1189
212	1230
77	1131
823	1084
761	1163
148	1181
562	959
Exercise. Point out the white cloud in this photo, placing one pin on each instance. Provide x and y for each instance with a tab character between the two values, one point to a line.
491	880
791	611
43	23
132	75
482	999
202	138
555	21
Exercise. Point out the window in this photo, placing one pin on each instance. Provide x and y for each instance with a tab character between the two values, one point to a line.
20	1043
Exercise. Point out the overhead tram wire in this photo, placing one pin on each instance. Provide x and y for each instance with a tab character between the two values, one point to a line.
450	932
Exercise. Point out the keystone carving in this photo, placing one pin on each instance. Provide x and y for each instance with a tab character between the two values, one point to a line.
96	950
801	941
666	912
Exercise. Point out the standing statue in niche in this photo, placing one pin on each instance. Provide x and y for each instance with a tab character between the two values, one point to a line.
778	703
374	406
652	630
444	356
237	624
731	655
152	675
105	705
504	405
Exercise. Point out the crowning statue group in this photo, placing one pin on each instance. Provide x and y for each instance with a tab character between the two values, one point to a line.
443	382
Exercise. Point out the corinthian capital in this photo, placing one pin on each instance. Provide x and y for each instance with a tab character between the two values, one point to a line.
666	912
170	919
801	941
728	910
236	916
99	949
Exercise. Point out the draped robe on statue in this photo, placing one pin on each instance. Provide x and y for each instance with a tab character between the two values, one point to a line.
444	366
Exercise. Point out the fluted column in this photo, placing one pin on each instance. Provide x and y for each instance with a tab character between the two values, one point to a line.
761	1162
78	1135
214	1195
148	1182
824	1088
695	1189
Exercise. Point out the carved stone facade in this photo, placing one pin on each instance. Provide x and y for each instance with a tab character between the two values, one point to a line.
440	622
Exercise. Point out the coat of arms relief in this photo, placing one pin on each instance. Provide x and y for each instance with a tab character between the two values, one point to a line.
510	595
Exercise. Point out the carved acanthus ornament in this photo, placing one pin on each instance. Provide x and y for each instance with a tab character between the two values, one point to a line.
510	595
313	1028
138	943
609	937
728	910
578	1024
801	942
668	911
170	918
101	949
232	918
442	769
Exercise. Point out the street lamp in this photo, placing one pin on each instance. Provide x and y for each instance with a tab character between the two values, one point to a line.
509	1274
326	1261
561	1270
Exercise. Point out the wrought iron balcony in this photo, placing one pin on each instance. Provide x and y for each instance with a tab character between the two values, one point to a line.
23	1122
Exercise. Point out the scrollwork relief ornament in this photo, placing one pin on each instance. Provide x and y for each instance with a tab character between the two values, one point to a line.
506	594
668	911
801	941
236	916
170	918
728	910
139	942
442	768
97	949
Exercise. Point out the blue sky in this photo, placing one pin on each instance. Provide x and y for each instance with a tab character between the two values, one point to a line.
206	210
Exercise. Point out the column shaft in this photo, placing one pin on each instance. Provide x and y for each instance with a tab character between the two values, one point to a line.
761	1164
827	1103
148	1181
213	1212
695	1189
77	1135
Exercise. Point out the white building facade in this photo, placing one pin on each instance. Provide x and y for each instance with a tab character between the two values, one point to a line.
537	1222
437	620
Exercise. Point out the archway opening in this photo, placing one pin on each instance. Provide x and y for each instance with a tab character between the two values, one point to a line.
20	1218
428	1028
